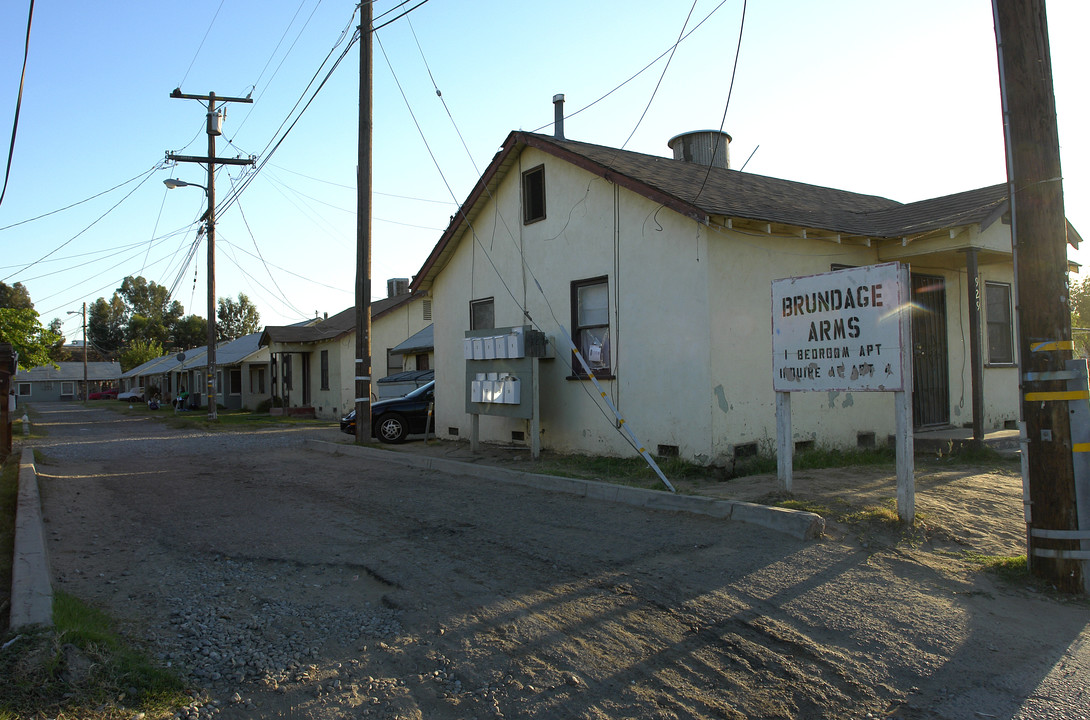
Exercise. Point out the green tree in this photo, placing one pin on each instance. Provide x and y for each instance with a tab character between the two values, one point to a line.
139	352
20	327
56	352
1079	299
107	321
236	319
15	296
152	313
190	332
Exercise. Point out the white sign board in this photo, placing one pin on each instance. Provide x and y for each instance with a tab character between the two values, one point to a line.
843	330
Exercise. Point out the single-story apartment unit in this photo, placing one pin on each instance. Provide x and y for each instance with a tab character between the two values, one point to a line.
64	381
660	271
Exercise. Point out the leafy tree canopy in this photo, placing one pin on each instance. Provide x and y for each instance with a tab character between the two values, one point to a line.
190	331
15	296
236	319
139	352
107	321
20	327
152	313
1079	298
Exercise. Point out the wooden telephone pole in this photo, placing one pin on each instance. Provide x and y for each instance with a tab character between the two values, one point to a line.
1039	230
363	233
211	161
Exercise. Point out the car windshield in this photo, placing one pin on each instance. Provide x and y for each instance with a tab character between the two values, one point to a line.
422	390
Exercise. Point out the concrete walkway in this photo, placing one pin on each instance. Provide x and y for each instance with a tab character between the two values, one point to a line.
31	589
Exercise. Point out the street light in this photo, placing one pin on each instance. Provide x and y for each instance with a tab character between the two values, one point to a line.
77	312
211	394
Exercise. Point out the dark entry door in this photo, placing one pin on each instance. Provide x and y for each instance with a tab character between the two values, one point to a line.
930	363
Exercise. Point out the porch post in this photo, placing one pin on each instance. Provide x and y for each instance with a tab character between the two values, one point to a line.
784	445
976	359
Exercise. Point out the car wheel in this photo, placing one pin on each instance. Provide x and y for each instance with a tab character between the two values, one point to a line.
391	428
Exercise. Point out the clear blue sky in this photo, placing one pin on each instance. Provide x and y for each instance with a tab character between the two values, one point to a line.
892	99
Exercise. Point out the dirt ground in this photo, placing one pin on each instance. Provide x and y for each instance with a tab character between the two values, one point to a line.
515	602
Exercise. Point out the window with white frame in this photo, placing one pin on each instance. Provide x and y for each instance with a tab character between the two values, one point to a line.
590	325
1000	323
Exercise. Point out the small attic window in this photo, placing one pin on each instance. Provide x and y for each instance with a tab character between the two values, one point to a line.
533	195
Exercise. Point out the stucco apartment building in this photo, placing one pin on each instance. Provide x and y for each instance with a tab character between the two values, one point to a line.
660	270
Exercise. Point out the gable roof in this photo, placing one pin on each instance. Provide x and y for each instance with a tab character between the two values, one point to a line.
341	324
699	192
423	340
96	372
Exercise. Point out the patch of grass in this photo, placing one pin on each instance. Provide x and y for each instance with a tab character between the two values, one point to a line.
81	668
1012	568
631	471
972	454
816	459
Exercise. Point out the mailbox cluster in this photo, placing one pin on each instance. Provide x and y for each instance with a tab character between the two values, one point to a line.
500	388
496	347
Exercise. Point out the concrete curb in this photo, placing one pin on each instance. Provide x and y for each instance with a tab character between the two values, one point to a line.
31	589
796	523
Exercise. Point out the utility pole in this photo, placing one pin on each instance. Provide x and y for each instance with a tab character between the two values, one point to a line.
1039	231
363	233
214	119
85	387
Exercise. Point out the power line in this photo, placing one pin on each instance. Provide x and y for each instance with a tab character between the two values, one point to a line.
66	242
730	91
69	207
663	75
414	7
198	52
18	104
642	70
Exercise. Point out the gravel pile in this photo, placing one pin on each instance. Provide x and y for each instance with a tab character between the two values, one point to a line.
221	634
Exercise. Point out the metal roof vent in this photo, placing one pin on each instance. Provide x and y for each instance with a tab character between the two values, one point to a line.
703	147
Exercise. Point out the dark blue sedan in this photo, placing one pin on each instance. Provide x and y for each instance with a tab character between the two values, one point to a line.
394	419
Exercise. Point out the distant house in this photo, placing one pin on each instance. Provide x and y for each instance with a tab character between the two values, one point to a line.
65	381
313	367
660	270
241	371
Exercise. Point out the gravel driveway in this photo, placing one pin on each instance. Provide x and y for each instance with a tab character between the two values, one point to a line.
284	582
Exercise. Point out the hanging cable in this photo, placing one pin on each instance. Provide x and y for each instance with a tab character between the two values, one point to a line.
18	104
730	91
203	39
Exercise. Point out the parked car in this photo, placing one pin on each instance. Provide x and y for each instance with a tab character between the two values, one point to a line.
107	394
136	394
394	419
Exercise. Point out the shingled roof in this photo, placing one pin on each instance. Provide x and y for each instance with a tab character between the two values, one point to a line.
341	324
731	193
700	192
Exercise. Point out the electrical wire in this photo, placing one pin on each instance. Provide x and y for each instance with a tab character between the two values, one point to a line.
264	264
663	75
375	28
69	240
18	104
157	166
487	255
730	91
198	52
642	70
279	65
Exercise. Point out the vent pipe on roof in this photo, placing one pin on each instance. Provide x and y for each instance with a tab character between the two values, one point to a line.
703	147
558	116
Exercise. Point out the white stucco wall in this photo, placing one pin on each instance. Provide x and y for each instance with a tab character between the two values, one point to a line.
690	322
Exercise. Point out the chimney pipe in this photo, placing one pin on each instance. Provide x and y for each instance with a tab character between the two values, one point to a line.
558	116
